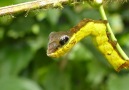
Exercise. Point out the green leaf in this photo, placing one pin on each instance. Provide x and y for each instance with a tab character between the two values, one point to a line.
96	73
1	33
116	23
12	83
56	80
80	50
20	27
116	82
53	16
14	58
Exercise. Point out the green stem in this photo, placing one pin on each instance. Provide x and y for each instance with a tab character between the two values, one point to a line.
122	53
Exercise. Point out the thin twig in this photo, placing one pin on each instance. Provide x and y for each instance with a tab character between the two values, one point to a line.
31	5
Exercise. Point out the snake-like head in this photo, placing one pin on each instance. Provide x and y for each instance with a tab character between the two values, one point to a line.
61	42
57	40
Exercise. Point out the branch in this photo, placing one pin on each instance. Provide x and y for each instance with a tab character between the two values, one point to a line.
38	4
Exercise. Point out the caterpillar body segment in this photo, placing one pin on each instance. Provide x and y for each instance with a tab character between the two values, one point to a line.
95	28
83	29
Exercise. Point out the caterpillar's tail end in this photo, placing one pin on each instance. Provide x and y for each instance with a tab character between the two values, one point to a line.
124	65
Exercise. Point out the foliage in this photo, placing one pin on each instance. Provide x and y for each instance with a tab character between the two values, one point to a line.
24	64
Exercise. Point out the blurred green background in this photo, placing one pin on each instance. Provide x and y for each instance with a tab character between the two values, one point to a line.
24	64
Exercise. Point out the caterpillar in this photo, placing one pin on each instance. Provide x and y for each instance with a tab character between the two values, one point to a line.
61	42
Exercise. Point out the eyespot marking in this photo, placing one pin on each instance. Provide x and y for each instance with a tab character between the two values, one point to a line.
64	39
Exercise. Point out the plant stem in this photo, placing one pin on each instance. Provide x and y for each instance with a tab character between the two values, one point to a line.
122	53
36	4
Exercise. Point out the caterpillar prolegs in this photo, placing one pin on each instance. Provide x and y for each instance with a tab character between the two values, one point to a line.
61	42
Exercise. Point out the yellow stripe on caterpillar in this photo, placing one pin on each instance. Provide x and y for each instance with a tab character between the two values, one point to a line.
61	42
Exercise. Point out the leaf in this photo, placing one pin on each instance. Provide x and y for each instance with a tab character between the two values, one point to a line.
20	27
96	74
53	15
116	82
80	50
56	80
14	58
12	83
116	23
